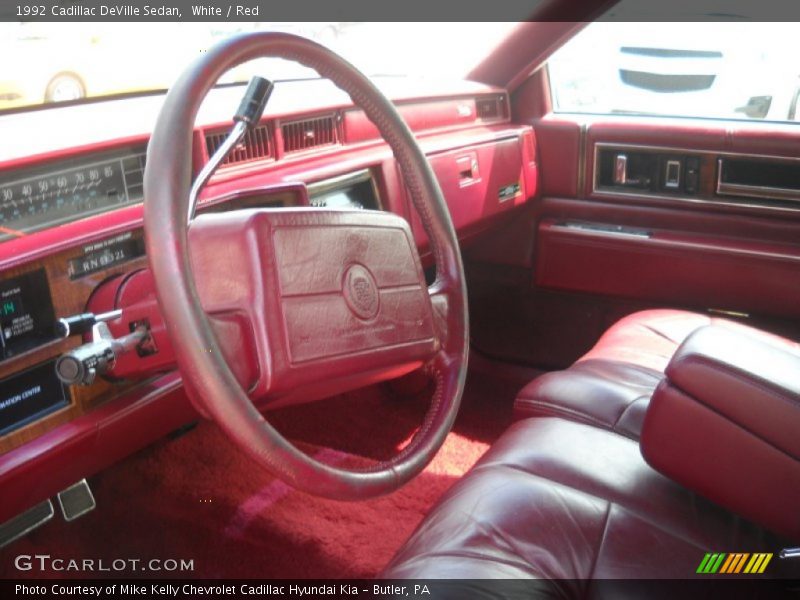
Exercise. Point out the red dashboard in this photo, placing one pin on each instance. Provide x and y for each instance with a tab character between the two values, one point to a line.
89	255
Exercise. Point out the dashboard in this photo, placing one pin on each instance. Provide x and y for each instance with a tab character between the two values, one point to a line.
71	241
68	283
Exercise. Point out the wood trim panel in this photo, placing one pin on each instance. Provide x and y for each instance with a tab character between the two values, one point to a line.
69	297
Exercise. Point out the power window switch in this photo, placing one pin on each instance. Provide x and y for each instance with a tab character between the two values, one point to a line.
621	169
692	180
672	175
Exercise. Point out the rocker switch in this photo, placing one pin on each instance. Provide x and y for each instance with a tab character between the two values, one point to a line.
672	174
692	178
621	169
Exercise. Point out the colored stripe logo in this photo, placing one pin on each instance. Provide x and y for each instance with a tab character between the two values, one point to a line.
734	563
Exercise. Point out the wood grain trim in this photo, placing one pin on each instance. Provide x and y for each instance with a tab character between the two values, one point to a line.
69	296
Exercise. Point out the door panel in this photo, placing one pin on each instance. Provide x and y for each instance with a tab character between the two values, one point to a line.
598	252
665	266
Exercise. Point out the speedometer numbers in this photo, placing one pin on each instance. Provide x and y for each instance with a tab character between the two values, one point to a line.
52	197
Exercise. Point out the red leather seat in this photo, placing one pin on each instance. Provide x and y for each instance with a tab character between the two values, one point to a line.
558	500
611	385
564	501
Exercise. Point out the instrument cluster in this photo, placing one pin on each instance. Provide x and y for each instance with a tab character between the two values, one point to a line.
66	191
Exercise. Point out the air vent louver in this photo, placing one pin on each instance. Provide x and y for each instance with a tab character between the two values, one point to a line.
489	108
309	133
256	145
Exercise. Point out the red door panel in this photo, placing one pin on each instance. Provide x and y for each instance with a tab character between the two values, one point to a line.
483	181
668	267
700	252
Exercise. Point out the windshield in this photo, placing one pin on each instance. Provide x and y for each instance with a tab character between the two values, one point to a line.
57	62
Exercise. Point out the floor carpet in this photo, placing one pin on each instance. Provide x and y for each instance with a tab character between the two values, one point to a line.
197	497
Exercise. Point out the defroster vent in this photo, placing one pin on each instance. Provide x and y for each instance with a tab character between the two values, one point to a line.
490	108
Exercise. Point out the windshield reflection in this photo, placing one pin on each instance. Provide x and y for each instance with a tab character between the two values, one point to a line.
61	62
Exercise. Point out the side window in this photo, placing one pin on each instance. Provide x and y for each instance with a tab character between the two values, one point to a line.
705	70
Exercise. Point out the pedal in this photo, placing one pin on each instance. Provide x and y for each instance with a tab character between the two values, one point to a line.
24	523
76	500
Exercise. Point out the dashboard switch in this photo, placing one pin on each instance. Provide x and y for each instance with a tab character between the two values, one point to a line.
692	178
621	169
672	175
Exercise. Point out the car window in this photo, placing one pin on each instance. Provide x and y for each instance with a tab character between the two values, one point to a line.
729	70
57	62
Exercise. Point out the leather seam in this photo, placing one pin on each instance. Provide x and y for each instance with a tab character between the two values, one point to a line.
643	370
602	539
738	374
624	412
560	411
642	515
658	333
523	566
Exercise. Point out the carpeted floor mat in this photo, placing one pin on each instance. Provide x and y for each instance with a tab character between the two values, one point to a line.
199	498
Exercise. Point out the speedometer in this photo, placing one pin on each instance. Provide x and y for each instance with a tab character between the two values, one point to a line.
43	197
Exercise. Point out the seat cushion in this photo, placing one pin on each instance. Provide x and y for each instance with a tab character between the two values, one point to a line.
556	499
611	385
603	393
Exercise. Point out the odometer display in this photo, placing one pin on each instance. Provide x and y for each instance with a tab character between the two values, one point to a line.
44	197
106	254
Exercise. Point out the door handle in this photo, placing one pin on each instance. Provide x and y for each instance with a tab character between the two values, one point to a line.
468	169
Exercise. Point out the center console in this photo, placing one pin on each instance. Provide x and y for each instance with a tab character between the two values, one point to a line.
726	424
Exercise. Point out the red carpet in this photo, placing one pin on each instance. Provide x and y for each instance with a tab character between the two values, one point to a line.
198	498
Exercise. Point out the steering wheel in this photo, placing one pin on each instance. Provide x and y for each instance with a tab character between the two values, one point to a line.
324	300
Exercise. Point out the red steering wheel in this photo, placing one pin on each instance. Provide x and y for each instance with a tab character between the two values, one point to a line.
322	300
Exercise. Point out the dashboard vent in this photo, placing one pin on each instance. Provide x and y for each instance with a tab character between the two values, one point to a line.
256	145
309	133
489	108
